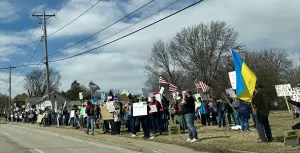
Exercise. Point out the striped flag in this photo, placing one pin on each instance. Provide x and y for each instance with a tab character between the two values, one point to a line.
202	85
162	80
93	86
172	88
197	84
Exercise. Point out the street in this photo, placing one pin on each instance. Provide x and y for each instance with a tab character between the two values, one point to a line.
18	139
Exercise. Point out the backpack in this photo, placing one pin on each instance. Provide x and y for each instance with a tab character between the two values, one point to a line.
244	110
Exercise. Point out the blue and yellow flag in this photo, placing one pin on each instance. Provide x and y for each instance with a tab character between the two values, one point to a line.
245	78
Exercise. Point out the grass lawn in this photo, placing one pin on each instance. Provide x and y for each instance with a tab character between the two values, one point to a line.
213	139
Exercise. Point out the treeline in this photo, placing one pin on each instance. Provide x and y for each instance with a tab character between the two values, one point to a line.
202	52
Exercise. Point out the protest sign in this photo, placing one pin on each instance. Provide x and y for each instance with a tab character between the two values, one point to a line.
139	109
110	106
291	138
161	91
145	92
231	93
183	96
39	118
95	100
153	108
158	98
80	95
176	95
174	129
232	78
197	96
294	93
72	114
124	97
47	104
283	90
105	114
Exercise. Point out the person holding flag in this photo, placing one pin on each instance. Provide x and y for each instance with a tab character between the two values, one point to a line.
245	87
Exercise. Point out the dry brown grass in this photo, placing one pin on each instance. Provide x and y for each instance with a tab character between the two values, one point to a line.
213	139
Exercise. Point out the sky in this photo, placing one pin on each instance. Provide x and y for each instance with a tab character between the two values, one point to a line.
119	65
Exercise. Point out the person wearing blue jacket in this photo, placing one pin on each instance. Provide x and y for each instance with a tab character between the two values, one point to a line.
202	111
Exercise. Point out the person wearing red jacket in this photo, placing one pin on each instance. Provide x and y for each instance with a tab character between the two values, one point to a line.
155	115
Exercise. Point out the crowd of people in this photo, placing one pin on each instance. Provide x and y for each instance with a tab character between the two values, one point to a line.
209	112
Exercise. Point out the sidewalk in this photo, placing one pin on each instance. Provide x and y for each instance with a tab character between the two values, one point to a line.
147	146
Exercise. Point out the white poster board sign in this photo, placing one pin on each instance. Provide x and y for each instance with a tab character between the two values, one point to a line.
176	96
283	90
153	108
197	96
158	97
231	93
80	95
232	78
294	93
139	109
72	114
110	106
161	91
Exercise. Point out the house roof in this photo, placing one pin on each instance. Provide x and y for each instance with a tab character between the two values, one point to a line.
22	97
52	93
78	103
33	100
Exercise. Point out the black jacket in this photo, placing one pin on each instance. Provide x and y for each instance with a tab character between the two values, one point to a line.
189	107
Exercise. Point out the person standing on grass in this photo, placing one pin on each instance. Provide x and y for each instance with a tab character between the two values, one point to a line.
244	115
262	106
202	111
236	104
117	119
178	117
145	121
155	116
89	110
189	115
221	113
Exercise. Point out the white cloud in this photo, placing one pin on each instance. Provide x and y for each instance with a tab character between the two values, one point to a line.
8	12
261	24
15	88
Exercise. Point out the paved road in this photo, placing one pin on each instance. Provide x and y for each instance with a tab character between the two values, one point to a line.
18	139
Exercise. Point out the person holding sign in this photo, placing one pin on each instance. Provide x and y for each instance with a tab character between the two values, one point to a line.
188	104
155	115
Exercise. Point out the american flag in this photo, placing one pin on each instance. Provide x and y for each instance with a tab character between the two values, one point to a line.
93	86
202	85
162	80
172	88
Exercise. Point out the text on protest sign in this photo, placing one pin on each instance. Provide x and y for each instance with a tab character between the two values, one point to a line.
153	108
110	106
232	78
139	109
295	94
283	90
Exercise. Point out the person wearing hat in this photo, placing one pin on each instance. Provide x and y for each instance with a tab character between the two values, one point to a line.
262	105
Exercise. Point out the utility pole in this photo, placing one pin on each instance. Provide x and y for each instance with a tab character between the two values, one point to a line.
44	18
9	86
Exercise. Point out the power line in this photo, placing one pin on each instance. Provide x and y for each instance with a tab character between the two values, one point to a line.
117	38
74	19
36	68
29	60
66	1
122	29
26	29
129	33
103	28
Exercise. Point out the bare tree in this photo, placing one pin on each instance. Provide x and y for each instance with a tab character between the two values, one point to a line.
35	82
200	49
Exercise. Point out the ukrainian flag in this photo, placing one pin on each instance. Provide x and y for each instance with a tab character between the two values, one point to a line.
245	78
